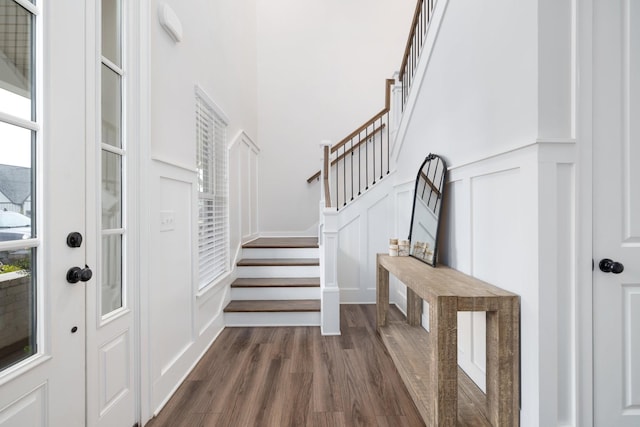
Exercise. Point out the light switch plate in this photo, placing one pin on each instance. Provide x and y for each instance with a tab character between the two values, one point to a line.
167	220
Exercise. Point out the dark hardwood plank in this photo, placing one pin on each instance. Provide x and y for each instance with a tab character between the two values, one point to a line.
283	242
278	262
253	306
274	282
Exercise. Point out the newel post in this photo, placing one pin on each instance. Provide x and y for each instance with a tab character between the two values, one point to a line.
396	105
328	241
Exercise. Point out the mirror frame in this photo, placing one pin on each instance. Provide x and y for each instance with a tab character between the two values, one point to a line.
429	158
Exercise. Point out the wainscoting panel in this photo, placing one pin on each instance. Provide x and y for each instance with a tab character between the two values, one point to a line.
349	259
364	229
247	176
402	212
184	321
174	287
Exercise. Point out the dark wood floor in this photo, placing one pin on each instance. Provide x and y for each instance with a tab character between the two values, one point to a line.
293	376
283	242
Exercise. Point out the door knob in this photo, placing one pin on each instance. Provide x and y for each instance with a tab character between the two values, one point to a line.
610	266
77	274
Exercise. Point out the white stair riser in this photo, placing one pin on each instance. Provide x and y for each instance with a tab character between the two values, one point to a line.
279	271
253	253
275	293
304	318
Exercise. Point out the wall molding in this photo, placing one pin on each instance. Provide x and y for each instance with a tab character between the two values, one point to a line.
159	159
243	137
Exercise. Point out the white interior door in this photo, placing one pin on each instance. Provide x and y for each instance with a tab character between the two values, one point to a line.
42	149
616	199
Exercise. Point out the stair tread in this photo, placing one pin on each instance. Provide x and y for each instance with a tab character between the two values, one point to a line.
261	306
276	282
283	242
271	262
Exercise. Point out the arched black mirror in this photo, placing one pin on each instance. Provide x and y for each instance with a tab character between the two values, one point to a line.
427	206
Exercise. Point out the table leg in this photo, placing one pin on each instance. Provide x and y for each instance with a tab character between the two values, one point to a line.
503	367
443	318
382	295
414	308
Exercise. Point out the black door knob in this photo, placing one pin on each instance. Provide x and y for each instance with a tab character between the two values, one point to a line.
77	274
610	266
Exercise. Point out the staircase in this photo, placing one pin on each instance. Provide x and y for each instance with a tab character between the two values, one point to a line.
278	284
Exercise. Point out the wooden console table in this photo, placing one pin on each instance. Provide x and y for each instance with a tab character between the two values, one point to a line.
428	361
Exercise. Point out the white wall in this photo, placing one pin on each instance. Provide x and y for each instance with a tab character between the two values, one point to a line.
479	93
322	67
497	101
217	53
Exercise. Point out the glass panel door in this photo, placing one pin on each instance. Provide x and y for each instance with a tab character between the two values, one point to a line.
113	157
18	231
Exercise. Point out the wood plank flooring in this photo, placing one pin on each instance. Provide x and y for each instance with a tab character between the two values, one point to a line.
254	306
283	242
278	262
276	282
294	376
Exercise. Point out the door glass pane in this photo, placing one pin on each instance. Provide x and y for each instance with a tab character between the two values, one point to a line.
16	87
111	191
111	43
111	273
17	306
15	183
111	107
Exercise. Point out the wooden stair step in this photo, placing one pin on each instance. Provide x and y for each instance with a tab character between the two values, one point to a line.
283	242
253	306
278	262
276	282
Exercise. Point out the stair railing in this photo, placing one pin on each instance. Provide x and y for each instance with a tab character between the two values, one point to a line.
359	160
417	35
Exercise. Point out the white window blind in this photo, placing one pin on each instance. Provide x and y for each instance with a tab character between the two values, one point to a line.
213	252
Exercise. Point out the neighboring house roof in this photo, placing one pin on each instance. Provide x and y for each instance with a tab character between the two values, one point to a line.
15	183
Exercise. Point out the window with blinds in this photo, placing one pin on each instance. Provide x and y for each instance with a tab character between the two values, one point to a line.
213	234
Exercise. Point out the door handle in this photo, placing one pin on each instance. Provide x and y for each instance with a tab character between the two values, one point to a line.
609	266
77	274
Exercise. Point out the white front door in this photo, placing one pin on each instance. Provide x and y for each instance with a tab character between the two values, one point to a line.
66	349
616	209
42	153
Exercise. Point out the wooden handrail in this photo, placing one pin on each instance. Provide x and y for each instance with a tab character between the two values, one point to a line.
357	131
387	107
337	159
359	143
407	49
314	176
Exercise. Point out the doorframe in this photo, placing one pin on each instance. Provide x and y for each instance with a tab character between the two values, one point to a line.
142	320
584	217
